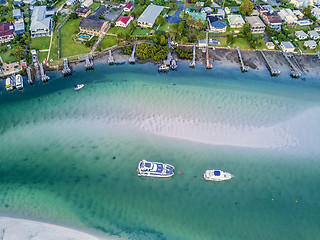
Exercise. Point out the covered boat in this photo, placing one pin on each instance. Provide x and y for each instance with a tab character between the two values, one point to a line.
154	169
217	175
9	86
19	82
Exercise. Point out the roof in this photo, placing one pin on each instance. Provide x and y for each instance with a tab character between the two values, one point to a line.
216	22
254	20
82	10
311	43
287	44
129	6
92	24
6	29
19	26
235	19
124	19
150	14
39	19
301	33
97	13
197	16
313	33
16	13
273	18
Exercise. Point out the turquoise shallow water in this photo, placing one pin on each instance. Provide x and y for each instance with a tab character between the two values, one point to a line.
70	157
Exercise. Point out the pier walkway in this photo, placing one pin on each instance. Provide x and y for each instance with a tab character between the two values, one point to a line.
272	71
132	60
44	77
243	67
30	80
66	70
193	63
209	65
89	62
110	58
296	73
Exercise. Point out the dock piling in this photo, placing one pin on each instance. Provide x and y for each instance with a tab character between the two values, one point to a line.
30	80
273	72
89	62
243	67
295	71
44	77
66	71
110	58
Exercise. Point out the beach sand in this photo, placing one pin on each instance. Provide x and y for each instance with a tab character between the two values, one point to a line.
22	229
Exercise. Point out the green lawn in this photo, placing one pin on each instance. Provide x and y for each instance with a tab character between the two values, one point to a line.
141	31
125	31
307	50
54	47
40	43
164	27
59	3
297	28
242	43
42	56
6	56
68	47
94	6
108	41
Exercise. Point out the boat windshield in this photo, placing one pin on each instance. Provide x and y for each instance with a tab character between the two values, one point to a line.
216	173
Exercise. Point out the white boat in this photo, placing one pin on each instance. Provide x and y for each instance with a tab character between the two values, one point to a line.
9	86
163	68
217	175
19	82
173	64
154	169
78	86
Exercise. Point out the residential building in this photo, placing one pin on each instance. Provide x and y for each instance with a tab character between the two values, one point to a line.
227	10
257	26
298	14
19	27
302	3
288	16
87	3
220	12
197	16
313	34
206	10
128	8
124	21
149	15
310	44
316	12
235	21
270	45
317	28
287	46
41	24
17	14
301	35
6	32
254	12
83	11
216	24
263	9
93	26
273	20
71	2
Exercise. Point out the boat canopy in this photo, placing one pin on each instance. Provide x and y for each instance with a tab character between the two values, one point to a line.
217	173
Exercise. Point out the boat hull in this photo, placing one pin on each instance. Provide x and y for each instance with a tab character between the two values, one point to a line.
217	175
154	169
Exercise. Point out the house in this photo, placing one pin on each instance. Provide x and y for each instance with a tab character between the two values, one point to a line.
270	45
71	2
257	26
317	28
83	11
265	9
298	14
310	44
227	10
19	27
149	15
41	24
235	21
198	16
287	47
17	14
301	35
316	12
206	10
98	12
216	24
6	32
273	20
93	26
220	12
313	34
128	8
87	3
124	21
288	16
254	12
302	3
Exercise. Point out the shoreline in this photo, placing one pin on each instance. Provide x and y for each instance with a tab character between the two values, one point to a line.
20	228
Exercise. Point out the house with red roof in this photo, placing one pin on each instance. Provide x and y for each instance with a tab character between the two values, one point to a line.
6	32
124	21
128	8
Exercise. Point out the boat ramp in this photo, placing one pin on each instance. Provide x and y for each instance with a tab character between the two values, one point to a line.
193	63
295	72
243	67
273	72
132	60
110	58
66	70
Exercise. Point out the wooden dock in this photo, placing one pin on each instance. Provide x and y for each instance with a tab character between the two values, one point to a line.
44	77
89	62
273	72
132	60
209	65
110	58
295	72
243	67
66	70
193	63
30	80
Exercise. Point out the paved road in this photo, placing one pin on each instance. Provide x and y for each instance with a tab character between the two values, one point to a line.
175	18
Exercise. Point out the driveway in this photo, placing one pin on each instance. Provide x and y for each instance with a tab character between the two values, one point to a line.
175	18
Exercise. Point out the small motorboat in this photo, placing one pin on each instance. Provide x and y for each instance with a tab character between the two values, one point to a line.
9	86
154	169
19	82
173	64
163	68
78	87
217	175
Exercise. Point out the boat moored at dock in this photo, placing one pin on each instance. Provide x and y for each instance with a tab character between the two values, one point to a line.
217	175
9	86
19	82
173	64
154	169
163	68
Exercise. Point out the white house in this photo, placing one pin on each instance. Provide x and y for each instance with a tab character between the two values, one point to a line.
287	46
216	24
235	21
310	44
149	16
288	16
257	26
87	3
316	12
41	24
128	8
301	35
313	34
124	21
70	2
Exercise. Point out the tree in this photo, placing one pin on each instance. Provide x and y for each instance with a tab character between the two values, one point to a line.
73	15
54	18
163	40
230	39
307	11
246	7
160	20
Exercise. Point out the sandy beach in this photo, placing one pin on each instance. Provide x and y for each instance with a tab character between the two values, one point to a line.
22	229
